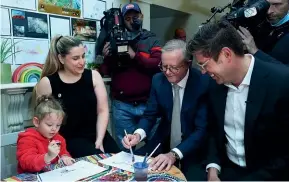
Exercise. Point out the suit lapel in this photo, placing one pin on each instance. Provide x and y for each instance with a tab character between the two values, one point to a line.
190	93
219	99
255	99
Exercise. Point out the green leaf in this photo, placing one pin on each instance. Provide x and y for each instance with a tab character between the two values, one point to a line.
7	49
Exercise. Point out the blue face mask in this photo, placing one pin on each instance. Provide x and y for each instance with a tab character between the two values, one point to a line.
281	22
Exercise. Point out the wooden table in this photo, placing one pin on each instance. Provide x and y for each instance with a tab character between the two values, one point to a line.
93	159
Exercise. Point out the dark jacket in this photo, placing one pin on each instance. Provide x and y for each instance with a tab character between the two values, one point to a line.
273	44
193	113
131	78
266	128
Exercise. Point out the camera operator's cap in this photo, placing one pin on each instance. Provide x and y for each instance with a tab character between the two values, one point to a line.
130	6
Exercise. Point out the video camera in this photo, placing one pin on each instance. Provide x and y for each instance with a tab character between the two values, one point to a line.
113	30
250	15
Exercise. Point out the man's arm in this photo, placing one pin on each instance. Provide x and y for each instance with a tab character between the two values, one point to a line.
151	112
197	137
152	59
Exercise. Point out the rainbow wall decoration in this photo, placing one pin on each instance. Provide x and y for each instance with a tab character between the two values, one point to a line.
27	73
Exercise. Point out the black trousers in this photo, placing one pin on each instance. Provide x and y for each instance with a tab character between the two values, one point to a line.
85	145
229	172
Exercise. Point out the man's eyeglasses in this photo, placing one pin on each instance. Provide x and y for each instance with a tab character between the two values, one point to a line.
202	66
173	69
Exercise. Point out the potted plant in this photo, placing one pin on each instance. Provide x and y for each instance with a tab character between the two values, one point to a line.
6	52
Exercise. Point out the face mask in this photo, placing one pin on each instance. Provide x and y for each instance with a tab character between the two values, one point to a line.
137	24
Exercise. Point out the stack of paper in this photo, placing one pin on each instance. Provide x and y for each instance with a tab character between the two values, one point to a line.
122	160
77	171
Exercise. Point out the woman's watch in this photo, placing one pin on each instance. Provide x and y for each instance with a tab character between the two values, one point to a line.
175	154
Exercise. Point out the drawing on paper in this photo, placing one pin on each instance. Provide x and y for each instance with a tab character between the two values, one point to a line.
93	9
84	30
37	25
62	7
29	24
25	4
31	51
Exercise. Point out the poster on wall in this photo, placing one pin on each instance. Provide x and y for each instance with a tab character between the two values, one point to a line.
93	9
6	44
24	4
5	22
55	29
84	29
89	52
31	50
61	7
28	24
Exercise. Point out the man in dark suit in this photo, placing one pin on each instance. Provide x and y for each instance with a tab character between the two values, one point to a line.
178	96
249	117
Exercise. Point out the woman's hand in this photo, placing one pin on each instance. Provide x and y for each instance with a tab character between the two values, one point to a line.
99	145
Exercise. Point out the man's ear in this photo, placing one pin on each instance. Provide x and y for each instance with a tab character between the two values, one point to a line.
61	59
36	122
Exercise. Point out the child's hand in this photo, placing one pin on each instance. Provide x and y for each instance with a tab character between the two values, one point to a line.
67	160
53	149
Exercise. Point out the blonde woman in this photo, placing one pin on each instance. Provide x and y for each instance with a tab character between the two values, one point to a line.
82	94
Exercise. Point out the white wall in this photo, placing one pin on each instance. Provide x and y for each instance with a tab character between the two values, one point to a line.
198	11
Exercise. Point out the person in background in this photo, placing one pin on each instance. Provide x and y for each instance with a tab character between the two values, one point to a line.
248	115
272	43
180	33
178	96
37	147
131	75
83	95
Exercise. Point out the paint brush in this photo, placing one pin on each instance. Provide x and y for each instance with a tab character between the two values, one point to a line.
153	152
130	148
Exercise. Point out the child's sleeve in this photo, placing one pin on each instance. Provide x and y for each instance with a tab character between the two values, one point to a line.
28	157
63	150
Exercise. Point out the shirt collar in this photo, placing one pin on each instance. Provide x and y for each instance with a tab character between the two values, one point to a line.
247	78
282	21
183	82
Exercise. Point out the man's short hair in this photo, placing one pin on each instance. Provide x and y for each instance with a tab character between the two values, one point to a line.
176	44
212	37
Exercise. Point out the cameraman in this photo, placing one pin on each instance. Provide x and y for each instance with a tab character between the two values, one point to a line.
131	76
273	43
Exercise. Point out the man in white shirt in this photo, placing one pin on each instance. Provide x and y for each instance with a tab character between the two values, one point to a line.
249	118
178	96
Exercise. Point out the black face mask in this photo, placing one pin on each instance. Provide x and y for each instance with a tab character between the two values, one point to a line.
136	25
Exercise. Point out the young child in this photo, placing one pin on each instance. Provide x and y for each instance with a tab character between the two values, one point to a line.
42	145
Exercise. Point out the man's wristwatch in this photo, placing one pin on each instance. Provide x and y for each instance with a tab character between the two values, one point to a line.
175	155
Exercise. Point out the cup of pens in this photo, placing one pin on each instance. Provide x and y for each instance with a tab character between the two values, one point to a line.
140	171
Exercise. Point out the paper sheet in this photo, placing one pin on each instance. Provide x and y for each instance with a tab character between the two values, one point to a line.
77	171
55	29
122	160
31	50
5	22
93	9
23	4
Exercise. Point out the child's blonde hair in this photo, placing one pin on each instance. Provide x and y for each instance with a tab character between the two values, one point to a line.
46	104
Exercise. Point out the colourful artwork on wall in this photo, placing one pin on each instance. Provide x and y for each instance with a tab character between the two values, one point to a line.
62	7
31	50
28	24
84	29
